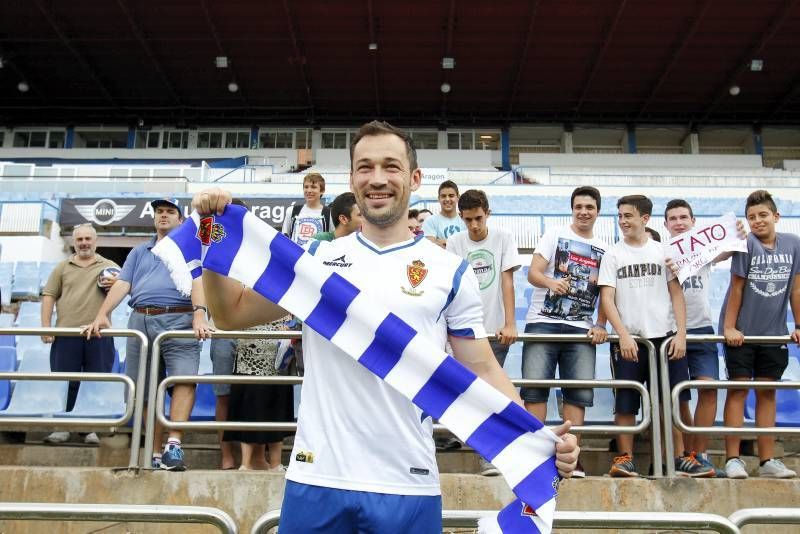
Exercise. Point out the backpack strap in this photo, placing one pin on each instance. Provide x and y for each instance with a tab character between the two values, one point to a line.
326	219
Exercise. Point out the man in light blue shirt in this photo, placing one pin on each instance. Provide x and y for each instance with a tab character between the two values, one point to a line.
158	306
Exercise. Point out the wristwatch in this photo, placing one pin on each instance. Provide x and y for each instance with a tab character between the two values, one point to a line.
196	307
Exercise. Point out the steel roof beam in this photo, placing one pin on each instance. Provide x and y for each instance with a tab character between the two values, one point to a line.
91	71
523	58
598	58
743	63
137	32
676	54
300	59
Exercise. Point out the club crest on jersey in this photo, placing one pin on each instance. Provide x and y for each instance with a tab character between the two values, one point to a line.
209	231
528	511
416	273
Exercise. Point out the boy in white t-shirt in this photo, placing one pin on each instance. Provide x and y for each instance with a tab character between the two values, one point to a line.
304	222
641	297
564	271
492	254
438	228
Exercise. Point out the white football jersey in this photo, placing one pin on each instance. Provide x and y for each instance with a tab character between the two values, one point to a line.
355	432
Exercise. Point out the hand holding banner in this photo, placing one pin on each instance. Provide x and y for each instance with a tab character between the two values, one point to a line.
691	250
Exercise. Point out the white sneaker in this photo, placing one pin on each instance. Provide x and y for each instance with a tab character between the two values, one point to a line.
735	468
487	469
280	468
775	469
91	439
57	437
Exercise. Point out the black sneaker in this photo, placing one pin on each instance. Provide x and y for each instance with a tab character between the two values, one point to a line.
688	466
623	467
172	459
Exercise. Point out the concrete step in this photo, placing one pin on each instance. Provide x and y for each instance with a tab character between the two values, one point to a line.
247	495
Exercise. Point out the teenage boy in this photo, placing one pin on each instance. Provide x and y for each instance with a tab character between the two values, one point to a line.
564	270
307	220
701	357
439	227
493	257
764	281
346	217
641	297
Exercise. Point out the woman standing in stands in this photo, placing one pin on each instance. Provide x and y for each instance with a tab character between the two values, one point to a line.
261	450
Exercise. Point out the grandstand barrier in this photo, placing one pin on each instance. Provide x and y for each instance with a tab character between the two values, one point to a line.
157	391
568	519
139	513
765	516
671	407
138	404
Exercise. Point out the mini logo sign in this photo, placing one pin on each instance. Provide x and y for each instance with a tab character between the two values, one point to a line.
105	211
416	273
209	231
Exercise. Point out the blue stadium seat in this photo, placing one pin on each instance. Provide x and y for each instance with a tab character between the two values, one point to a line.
6	320
8	363
45	269
205	403
25	286
36	398
787	404
98	399
8	341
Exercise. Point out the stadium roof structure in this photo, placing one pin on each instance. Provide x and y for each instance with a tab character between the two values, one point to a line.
325	62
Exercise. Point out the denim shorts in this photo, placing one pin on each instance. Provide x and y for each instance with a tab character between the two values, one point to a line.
703	357
222	351
575	361
500	351
178	356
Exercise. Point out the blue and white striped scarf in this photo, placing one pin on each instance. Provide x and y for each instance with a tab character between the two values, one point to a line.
241	246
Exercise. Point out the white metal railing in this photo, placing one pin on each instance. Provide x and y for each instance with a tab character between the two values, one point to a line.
157	391
138	404
671	406
139	513
570	519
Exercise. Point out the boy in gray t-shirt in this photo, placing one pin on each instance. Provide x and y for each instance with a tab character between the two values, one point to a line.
763	283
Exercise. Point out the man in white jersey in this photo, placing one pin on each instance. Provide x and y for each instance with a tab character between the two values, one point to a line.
364	457
492	254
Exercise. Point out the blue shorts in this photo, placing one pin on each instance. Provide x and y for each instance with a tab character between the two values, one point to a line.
222	350
703	357
500	351
575	361
626	401
310	509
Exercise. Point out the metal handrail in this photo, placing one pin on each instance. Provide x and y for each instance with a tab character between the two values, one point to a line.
138	409
765	516
570	519
291	380
70	422
156	393
730	384
670	406
140	513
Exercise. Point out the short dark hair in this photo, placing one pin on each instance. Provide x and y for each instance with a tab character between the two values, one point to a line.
642	204
375	128
413	213
342	205
473	198
447	184
654	235
425	210
585	191
760	196
678	203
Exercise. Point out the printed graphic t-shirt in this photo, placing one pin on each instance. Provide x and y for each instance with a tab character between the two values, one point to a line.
574	257
640	277
769	274
441	227
489	259
307	224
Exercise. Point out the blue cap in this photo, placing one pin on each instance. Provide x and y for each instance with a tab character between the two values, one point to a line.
170	202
